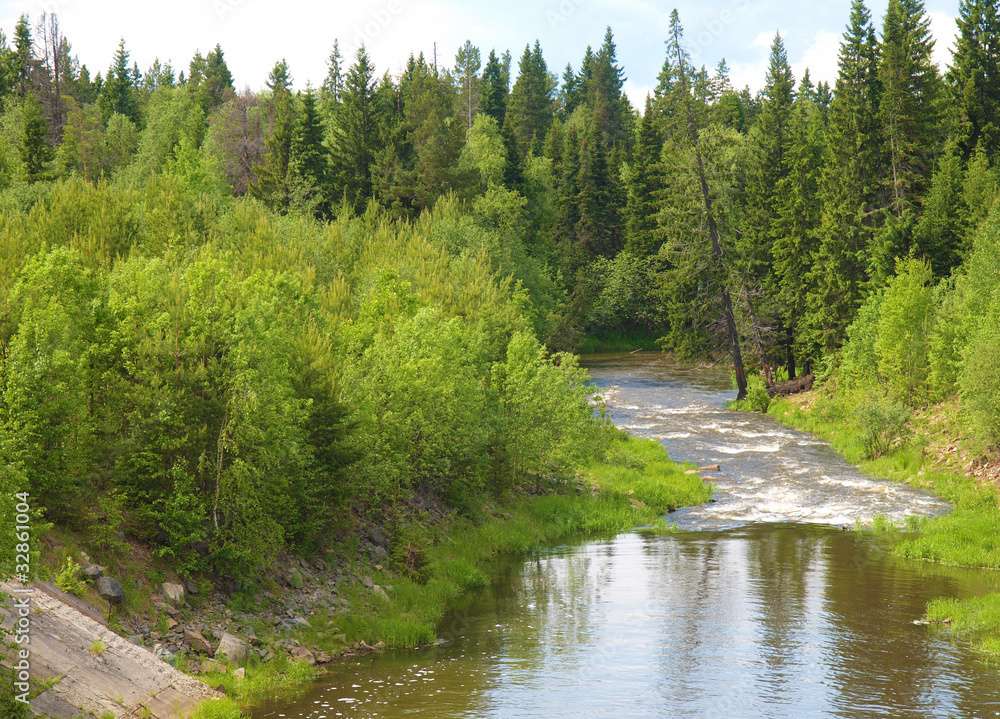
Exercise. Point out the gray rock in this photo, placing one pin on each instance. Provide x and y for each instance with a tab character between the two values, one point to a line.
232	648
195	641
110	590
240	673
191	586
301	654
92	572
173	593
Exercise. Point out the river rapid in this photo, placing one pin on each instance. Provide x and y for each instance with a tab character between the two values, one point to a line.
767	605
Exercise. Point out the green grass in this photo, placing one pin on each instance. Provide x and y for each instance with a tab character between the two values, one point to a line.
977	619
218	709
634	486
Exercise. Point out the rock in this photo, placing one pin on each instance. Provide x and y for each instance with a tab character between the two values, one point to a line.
169	623
240	674
110	590
293	622
710	468
323	658
191	587
301	654
194	640
377	537
368	582
232	648
92	572
173	593
380	593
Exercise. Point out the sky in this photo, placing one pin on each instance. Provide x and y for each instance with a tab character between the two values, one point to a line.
255	33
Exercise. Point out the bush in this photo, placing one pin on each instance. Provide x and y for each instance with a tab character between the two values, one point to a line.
68	579
902	332
882	425
757	399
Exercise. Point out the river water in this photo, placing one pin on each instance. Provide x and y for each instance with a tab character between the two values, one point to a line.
769	605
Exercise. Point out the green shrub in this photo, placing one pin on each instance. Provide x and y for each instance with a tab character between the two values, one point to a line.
757	399
68	579
979	379
882	424
901	338
858	361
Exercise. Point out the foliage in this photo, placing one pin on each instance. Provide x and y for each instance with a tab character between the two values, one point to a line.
881	425
757	399
68	579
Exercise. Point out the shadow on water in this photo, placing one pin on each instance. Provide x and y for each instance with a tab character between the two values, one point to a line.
767	608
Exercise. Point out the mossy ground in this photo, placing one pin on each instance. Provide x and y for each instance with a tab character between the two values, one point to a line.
969	536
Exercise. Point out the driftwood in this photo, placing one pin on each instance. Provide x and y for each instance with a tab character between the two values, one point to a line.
792	386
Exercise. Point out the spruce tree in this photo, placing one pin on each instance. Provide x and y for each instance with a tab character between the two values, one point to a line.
307	162
974	77
35	149
849	189
597	226
643	181
355	132
940	233
493	89
794	229
118	93
333	85
271	182
530	105
24	56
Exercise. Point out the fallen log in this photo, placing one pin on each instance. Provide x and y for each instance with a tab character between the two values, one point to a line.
792	386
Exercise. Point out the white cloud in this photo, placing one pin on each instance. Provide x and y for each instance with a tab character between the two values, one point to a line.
820	57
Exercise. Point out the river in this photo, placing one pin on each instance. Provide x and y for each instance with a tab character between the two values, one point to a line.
768	605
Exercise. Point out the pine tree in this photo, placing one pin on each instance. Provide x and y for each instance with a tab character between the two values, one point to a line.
218	79
493	89
307	162
355	132
467	65
602	88
974	77
118	94
597	227
849	191
530	105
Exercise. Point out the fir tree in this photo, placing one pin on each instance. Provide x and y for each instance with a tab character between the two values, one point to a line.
467	65
643	181
333	85
35	149
271	182
939	235
24	56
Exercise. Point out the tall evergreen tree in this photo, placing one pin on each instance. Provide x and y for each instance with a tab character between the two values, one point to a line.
643	181
355	132
493	89
597	226
849	190
24	60
118	94
36	152
307	161
333	85
271	182
974	76
530	105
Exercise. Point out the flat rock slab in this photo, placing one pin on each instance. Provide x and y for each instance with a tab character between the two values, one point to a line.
121	681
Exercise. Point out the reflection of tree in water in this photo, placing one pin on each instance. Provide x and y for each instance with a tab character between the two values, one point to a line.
877	657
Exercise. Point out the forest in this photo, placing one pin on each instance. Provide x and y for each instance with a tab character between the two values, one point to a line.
233	321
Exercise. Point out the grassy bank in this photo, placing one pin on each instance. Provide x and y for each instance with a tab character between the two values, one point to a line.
635	485
617	342
969	536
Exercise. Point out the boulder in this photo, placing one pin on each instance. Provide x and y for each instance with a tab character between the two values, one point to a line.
195	641
110	590
92	572
240	674
173	593
323	657
232	648
301	654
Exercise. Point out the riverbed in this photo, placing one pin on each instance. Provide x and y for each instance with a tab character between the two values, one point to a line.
768	603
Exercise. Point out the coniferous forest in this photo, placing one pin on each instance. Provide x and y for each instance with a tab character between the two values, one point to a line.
233	321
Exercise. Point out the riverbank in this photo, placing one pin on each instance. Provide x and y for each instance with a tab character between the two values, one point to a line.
401	601
927	455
